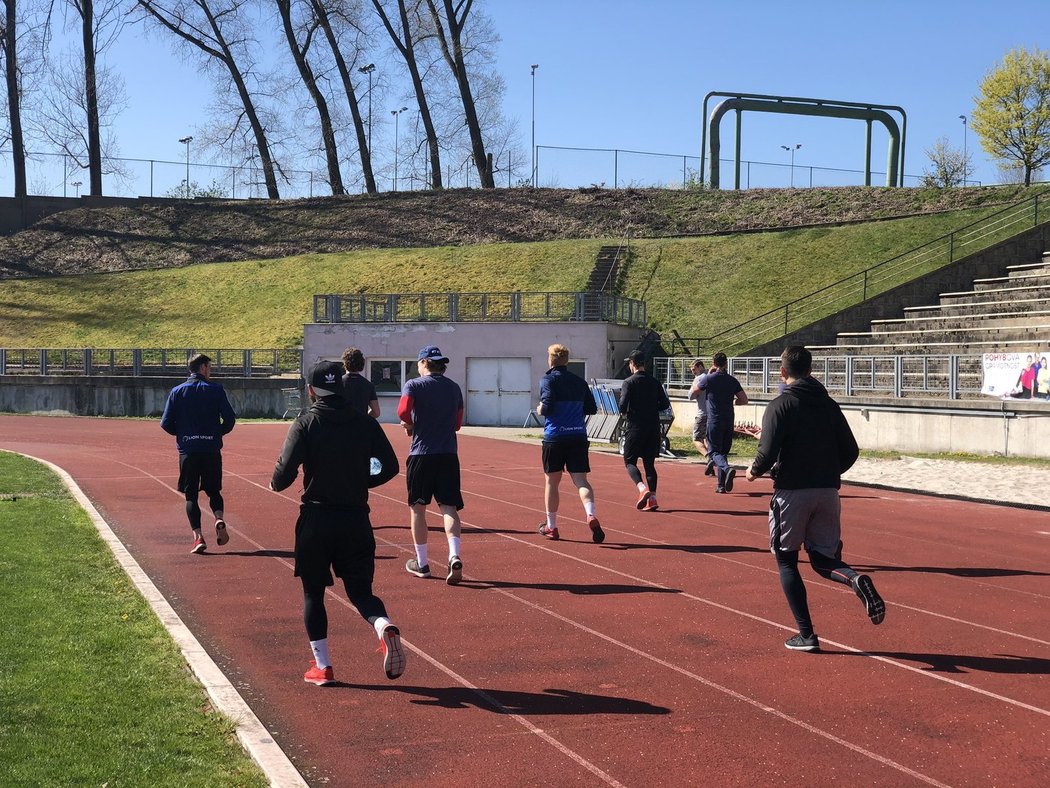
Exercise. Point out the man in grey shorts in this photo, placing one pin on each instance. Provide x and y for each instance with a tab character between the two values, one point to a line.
806	446
696	391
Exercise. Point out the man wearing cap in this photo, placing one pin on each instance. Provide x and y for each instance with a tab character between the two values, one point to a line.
198	413
565	402
334	445
642	398
431	411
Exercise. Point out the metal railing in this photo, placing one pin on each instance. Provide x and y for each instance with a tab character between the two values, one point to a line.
149	362
943	376
517	307
881	277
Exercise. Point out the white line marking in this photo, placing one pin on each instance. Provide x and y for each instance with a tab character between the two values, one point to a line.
252	733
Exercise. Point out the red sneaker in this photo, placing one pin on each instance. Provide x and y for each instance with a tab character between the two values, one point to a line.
198	545
597	534
322	677
651	505
643	501
393	652
550	533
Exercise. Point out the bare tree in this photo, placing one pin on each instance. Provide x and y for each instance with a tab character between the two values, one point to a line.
449	26
217	30
299	55
349	15
404	38
9	42
99	24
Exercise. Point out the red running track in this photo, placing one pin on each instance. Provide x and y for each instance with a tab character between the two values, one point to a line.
654	659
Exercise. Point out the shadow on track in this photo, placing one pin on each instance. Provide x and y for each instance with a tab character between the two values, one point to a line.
583	589
966	663
550	701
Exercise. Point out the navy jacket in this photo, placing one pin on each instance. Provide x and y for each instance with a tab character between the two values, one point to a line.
198	414
566	401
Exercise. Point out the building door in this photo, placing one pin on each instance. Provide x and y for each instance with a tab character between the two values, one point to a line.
499	391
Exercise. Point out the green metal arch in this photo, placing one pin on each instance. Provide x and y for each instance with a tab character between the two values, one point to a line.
788	105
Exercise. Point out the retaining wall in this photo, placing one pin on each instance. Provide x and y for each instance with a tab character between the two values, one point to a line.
1013	428
131	396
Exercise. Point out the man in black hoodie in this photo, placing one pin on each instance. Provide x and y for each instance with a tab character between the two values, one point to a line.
334	445
806	446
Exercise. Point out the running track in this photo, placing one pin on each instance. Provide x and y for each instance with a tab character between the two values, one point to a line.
654	659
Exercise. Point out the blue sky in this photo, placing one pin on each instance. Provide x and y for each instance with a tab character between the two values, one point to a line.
633	75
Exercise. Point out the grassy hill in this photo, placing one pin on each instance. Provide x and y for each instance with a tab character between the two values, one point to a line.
697	285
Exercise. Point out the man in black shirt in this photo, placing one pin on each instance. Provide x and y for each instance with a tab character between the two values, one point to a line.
334	445
642	398
808	445
359	392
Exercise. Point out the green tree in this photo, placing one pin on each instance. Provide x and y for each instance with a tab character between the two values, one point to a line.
1012	113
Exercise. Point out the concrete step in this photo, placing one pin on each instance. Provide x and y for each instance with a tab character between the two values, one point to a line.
962	348
963	322
1021	295
1021	279
1028	268
1031	333
977	308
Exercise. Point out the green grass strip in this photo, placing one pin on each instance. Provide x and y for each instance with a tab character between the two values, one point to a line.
93	691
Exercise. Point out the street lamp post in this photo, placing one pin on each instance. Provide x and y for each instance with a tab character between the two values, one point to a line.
396	113
368	70
186	141
76	185
792	150
965	162
534	67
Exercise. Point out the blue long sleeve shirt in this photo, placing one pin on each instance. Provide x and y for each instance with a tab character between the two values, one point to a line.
566	400
198	414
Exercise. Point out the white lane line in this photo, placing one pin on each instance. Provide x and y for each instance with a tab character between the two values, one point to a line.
252	733
782	627
503	710
727	691
823	587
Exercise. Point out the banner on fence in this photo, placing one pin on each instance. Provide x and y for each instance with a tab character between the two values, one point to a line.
1014	375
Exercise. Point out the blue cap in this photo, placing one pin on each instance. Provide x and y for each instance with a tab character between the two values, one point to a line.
432	353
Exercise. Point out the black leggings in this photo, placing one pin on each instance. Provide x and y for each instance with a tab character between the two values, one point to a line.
315	616
650	472
795	590
193	509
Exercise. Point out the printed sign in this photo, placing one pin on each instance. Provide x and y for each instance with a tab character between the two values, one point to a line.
1017	375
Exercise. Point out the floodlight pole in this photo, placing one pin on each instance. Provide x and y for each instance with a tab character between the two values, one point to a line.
965	162
396	113
534	67
792	152
186	141
368	70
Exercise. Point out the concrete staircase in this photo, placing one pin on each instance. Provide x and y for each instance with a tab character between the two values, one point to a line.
605	274
1003	314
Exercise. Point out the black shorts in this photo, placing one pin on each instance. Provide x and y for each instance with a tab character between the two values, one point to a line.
641	444
200	471
329	539
433	476
570	455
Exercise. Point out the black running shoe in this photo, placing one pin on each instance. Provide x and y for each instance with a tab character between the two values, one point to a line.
803	643
873	604
730	475
710	469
